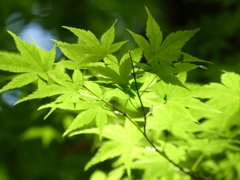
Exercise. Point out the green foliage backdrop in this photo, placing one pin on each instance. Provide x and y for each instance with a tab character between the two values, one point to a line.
61	158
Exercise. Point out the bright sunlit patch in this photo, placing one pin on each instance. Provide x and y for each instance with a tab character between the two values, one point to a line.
203	67
117	112
150	148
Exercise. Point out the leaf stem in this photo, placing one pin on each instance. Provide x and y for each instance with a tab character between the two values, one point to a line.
138	94
197	162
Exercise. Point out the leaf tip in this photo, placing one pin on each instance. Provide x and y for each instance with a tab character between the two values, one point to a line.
11	33
148	12
146	8
115	21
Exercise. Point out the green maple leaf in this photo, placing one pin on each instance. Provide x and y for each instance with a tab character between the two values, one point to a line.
32	61
223	97
47	91
174	100
150	162
119	72
89	48
64	86
208	147
122	143
85	117
162	55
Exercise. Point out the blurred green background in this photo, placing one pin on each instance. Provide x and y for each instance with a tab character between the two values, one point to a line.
31	148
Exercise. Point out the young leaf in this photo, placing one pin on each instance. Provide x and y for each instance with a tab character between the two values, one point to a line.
37	56
153	33
162	55
28	51
125	69
116	46
86	38
150	161
128	156
70	51
17	64
112	62
175	41
107	41
108	38
184	67
110	74
136	55
124	140
63	79
32	59
166	73
224	97
93	87
101	120
178	100
142	42
189	58
66	102
231	80
89	44
46	92
20	81
171	47
108	150
208	147
82	119
48	57
77	77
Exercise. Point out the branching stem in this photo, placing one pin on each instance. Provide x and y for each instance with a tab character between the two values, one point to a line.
138	94
163	154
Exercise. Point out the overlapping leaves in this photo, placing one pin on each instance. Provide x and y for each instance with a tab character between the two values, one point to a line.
165	57
224	97
107	91
123	143
32	62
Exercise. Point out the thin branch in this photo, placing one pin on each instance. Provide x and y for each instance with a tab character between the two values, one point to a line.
114	107
138	94
143	132
148	85
148	62
184	170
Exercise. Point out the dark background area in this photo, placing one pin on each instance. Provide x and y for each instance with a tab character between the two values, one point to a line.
31	148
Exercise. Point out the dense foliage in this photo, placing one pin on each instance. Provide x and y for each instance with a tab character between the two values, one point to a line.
148	118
